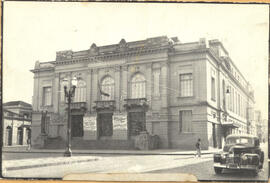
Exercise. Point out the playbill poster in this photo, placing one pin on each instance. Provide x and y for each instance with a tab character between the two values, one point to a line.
140	91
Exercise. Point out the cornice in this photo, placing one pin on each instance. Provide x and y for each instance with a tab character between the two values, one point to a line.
118	55
42	70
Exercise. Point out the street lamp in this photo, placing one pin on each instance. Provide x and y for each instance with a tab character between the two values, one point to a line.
69	93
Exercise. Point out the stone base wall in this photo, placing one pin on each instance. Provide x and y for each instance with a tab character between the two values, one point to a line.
79	143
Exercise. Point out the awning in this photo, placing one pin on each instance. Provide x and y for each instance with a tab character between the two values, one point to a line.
230	124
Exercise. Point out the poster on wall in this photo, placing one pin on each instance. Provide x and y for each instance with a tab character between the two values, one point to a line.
90	123
120	122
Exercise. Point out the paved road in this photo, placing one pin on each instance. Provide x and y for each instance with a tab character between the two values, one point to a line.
202	168
205	171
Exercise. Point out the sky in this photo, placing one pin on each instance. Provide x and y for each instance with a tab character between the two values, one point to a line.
36	30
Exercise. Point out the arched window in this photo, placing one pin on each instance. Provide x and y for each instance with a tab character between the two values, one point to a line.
20	136
8	136
107	88
80	92
138	86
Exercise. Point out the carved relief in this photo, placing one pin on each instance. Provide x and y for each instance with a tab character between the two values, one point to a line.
94	50
64	55
123	46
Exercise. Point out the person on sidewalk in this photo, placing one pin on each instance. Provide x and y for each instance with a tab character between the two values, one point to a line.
198	148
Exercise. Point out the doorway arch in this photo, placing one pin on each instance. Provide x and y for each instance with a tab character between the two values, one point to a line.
20	136
9	136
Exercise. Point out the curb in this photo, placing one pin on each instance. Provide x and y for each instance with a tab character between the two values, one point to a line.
112	153
49	164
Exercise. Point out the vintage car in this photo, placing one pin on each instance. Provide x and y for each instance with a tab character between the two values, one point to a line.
241	152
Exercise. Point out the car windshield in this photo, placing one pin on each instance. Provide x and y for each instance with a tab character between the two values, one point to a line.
239	140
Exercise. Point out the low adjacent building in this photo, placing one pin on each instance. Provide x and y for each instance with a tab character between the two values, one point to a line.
176	91
16	123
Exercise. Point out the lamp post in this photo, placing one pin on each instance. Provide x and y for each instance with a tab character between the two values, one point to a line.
69	93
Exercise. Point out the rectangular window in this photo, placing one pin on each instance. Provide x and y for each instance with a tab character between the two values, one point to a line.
185	121
186	85
47	96
213	89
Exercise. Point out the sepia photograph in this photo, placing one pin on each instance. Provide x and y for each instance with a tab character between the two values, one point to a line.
95	91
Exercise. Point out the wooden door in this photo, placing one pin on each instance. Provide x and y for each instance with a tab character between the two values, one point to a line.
76	125
136	123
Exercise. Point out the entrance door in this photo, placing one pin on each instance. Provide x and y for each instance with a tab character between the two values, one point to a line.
214	135
76	125
105	126
136	123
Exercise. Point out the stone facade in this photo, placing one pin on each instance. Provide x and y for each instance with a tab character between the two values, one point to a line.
190	91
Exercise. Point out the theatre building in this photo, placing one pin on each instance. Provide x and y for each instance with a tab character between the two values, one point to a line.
158	89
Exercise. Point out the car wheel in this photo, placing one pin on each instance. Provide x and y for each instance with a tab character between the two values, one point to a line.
218	170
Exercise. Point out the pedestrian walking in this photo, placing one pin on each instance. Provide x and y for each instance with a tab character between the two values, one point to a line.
198	148
29	144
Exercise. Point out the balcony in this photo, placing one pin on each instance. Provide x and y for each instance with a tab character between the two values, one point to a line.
104	105
78	106
136	103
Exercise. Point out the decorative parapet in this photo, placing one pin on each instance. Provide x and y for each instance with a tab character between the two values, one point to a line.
64	55
115	51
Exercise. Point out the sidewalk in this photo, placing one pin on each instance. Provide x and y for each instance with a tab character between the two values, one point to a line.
116	152
19	164
44	162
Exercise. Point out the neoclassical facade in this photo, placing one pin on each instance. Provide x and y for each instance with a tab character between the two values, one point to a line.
177	91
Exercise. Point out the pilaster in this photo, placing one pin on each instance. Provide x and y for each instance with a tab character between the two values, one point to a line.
35	101
149	84
56	92
124	82
164	84
117	89
89	89
94	87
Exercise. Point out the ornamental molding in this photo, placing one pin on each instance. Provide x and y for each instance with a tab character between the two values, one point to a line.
110	56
